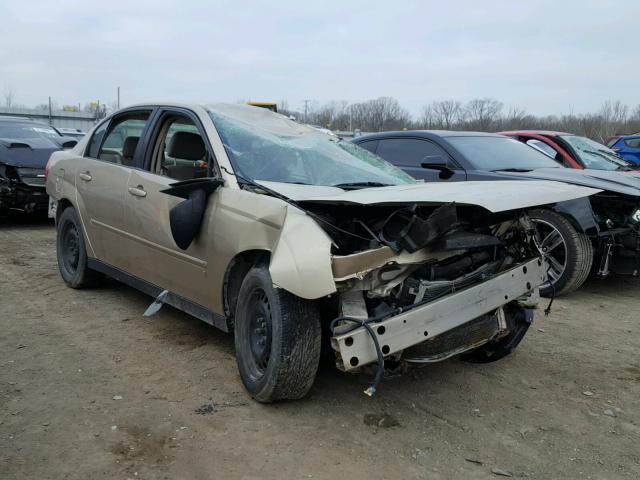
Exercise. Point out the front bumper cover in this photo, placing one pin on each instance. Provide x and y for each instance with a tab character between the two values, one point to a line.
424	322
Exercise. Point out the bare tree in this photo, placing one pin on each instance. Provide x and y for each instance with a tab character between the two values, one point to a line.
449	113
483	113
9	95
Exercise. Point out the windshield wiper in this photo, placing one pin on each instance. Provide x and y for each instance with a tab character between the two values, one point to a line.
513	170
358	185
611	158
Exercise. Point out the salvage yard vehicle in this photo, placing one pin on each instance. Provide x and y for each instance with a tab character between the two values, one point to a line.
573	151
25	147
284	235
599	234
628	147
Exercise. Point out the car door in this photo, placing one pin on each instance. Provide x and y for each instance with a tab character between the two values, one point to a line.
413	154
101	180
177	150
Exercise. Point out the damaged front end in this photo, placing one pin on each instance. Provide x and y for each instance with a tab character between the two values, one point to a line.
419	284
618	239
22	188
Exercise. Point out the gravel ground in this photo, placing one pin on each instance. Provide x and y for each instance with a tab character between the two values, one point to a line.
89	388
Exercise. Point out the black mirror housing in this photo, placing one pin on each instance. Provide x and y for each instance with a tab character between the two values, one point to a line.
437	162
186	217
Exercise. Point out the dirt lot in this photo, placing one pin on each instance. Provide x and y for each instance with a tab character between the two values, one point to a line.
91	389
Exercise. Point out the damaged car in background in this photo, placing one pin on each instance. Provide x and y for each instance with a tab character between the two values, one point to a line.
598	235
287	236
25	147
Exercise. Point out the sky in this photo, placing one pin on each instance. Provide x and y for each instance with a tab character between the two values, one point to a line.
548	57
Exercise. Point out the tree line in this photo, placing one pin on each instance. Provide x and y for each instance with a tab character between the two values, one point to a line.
481	114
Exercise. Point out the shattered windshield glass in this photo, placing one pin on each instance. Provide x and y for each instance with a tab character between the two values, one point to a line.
595	155
277	149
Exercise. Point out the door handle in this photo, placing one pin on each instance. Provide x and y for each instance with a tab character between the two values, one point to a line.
137	191
86	176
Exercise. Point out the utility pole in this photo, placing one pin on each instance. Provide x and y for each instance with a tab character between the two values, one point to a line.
50	119
306	109
118	98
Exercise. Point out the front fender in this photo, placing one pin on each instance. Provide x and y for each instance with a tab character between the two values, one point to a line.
580	213
301	260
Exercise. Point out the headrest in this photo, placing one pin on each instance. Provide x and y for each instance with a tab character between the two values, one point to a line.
129	146
187	146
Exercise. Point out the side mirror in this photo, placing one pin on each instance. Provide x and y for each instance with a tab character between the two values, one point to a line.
437	162
186	217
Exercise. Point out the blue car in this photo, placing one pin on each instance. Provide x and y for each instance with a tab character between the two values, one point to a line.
627	146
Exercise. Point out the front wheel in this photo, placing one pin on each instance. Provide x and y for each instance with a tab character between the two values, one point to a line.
518	322
568	252
277	339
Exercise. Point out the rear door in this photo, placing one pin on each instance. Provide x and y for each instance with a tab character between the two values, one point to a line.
177	150
101	181
410	154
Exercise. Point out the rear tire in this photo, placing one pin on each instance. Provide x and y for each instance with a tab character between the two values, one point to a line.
72	253
277	339
569	253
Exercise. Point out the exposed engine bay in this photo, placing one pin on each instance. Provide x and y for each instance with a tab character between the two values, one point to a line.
403	256
618	242
390	260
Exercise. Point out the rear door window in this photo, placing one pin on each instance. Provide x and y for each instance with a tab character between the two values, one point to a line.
370	145
118	142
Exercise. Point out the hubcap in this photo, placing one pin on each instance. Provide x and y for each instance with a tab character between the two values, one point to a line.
260	330
553	247
70	247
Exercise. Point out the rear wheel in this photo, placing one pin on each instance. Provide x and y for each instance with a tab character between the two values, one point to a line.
568	253
277	339
72	253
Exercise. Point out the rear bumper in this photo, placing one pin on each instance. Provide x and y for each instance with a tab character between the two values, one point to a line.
425	322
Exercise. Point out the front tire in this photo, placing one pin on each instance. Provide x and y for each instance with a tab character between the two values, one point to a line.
72	253
518	321
568	252
277	339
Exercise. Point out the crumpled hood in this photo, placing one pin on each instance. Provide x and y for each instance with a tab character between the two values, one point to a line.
495	196
29	152
627	183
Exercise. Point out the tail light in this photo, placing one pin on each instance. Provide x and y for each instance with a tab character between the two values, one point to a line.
46	169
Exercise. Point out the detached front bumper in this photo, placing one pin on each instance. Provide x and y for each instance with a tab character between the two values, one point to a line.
426	322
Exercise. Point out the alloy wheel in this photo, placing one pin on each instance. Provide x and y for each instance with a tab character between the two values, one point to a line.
553	247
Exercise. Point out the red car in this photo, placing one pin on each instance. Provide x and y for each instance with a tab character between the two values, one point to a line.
571	150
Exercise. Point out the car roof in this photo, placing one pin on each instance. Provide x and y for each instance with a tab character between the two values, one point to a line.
7	119
550	133
425	134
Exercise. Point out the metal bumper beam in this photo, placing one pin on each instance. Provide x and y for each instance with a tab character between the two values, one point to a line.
414	326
